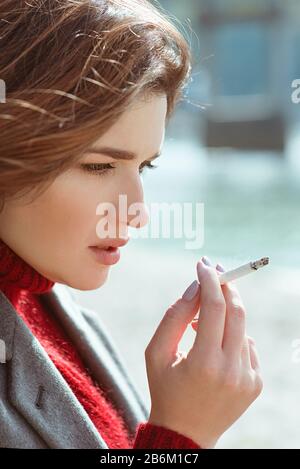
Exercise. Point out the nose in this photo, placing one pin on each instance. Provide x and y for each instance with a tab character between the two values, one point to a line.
140	218
137	210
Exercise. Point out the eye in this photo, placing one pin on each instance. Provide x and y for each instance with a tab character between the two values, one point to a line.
97	168
101	169
148	164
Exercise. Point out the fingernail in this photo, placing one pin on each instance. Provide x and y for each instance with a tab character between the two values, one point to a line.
220	268
206	261
191	291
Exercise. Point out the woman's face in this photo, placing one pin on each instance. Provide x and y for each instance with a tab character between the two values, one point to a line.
54	232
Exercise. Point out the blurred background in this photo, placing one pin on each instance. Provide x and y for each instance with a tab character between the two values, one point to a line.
233	144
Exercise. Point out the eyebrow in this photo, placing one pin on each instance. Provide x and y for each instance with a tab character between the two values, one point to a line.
118	154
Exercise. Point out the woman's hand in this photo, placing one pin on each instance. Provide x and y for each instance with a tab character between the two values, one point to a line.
202	393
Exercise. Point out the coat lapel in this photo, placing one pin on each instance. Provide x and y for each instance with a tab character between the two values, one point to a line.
99	354
31	373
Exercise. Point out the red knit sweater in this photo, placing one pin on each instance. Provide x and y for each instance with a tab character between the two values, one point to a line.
22	285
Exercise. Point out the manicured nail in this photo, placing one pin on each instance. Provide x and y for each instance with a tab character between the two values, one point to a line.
220	268
206	261
191	291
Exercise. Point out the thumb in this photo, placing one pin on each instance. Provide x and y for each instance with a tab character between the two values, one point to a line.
174	323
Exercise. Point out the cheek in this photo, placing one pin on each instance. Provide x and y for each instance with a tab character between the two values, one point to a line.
69	228
72	210
71	215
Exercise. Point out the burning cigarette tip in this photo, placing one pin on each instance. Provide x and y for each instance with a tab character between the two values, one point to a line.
260	263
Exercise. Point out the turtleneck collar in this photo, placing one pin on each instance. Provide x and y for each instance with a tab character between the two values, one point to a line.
16	274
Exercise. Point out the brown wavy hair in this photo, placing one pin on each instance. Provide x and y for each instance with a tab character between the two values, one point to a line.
71	68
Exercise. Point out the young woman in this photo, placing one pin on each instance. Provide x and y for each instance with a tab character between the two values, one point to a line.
90	86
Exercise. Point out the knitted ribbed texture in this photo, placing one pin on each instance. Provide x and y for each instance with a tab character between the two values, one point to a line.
16	274
155	436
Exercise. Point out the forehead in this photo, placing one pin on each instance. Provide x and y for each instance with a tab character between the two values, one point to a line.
140	128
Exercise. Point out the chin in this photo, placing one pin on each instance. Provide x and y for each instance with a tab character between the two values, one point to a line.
92	282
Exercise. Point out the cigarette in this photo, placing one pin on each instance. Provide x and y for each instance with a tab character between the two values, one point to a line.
234	274
243	270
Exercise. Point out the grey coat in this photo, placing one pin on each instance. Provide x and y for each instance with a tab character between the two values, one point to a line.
37	407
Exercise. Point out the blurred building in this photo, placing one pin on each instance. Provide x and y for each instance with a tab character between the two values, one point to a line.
245	60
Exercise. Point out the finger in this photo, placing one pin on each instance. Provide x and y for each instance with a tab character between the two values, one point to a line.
194	322
245	354
169	332
213	309
255	362
234	330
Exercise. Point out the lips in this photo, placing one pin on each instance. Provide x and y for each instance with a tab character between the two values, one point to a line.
108	252
106	256
112	243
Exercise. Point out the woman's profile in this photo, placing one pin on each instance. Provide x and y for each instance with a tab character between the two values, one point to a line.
90	86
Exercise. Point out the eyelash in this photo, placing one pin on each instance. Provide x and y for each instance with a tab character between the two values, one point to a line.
101	169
